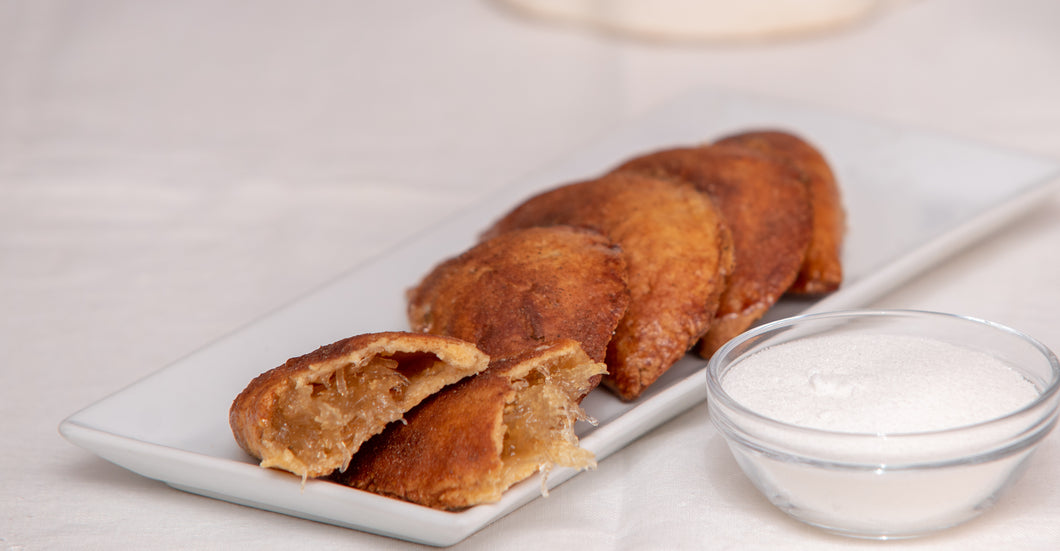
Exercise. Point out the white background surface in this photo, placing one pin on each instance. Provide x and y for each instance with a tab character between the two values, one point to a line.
171	171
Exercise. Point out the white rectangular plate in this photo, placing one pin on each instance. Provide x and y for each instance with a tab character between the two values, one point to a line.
912	198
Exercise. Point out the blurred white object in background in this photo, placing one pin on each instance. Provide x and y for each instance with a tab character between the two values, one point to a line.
702	19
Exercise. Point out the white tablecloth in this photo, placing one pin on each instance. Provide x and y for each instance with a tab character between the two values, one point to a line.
172	170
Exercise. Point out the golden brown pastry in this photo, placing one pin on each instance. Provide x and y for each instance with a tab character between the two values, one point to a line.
768	211
678	253
470	442
311	414
525	288
822	270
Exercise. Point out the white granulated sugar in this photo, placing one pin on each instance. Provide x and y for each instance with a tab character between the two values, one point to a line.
877	384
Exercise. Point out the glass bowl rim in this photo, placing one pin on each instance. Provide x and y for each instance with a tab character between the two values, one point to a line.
717	393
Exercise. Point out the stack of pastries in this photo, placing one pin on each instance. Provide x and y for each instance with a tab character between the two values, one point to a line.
607	281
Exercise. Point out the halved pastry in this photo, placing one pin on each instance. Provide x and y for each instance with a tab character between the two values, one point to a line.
470	442
768	211
678	254
822	270
525	288
311	414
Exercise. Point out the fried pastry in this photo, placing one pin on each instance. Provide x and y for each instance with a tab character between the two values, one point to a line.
822	270
525	288
678	253
768	212
311	414
470	442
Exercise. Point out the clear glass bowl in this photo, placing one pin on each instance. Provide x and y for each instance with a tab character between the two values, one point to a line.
886	486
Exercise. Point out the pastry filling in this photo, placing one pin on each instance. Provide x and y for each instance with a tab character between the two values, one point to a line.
324	416
540	421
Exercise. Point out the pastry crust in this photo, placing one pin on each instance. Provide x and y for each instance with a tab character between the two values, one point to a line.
768	211
822	270
678	254
470	442
525	288
311	414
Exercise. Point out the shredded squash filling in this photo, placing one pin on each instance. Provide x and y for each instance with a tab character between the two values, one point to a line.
540	423
324	411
